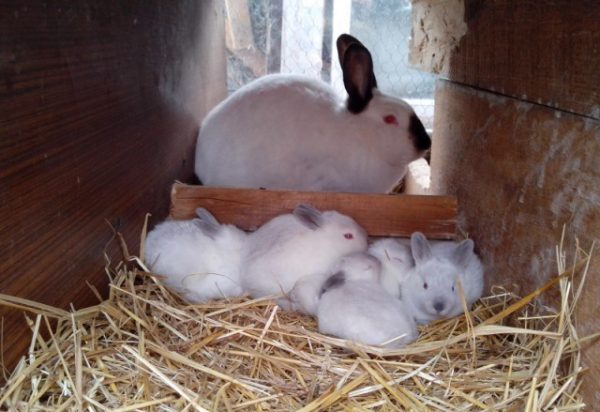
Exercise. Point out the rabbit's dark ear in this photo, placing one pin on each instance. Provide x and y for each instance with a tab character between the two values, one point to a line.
342	43
309	216
357	67
333	281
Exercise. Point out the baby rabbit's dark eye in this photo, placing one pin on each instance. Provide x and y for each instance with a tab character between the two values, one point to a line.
425	285
452	288
348	235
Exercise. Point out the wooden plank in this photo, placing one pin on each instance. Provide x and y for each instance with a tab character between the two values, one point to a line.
92	129
545	52
238	25
380	215
239	37
515	198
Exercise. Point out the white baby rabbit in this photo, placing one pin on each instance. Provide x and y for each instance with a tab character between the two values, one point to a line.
306	293
396	261
294	132
430	289
302	243
199	258
354	305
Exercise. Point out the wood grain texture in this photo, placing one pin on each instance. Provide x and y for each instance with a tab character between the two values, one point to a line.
546	52
380	215
99	110
521	172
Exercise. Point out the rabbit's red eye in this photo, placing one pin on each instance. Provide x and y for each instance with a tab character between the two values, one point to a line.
348	235
390	119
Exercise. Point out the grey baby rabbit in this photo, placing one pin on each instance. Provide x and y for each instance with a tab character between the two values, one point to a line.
290	246
354	305
199	258
306	293
430	288
396	262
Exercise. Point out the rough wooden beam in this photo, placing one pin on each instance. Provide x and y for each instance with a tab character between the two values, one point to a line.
545	52
380	215
523	171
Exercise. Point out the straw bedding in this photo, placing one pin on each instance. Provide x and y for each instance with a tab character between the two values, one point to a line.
145	349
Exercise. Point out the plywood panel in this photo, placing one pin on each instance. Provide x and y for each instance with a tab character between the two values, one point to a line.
380	215
521	172
546	52
99	109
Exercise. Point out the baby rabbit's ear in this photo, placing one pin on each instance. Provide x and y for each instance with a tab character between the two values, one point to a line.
309	216
420	248
463	252
207	223
333	281
205	215
357	67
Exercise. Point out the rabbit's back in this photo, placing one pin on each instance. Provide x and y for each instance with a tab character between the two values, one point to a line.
363	312
175	248
266	118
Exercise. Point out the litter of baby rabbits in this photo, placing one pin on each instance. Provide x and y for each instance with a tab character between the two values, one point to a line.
146	349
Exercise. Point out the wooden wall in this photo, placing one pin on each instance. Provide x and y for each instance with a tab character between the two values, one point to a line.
100	103
517	137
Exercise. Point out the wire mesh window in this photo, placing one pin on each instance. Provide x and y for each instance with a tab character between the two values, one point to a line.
298	36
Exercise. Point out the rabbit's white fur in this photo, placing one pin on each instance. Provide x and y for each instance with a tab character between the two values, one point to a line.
290	246
293	132
354	305
198	265
396	262
305	295
433	281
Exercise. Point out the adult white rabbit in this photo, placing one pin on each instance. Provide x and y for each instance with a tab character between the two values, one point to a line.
292	132
198	258
302	243
430	288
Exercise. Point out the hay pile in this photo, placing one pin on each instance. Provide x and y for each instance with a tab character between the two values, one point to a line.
145	349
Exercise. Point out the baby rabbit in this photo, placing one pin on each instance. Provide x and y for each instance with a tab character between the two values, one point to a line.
199	258
355	306
303	243
396	261
430	288
294	132
304	296
306	293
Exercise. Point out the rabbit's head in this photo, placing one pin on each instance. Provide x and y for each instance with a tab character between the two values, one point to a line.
358	266
334	233
431	287
389	121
